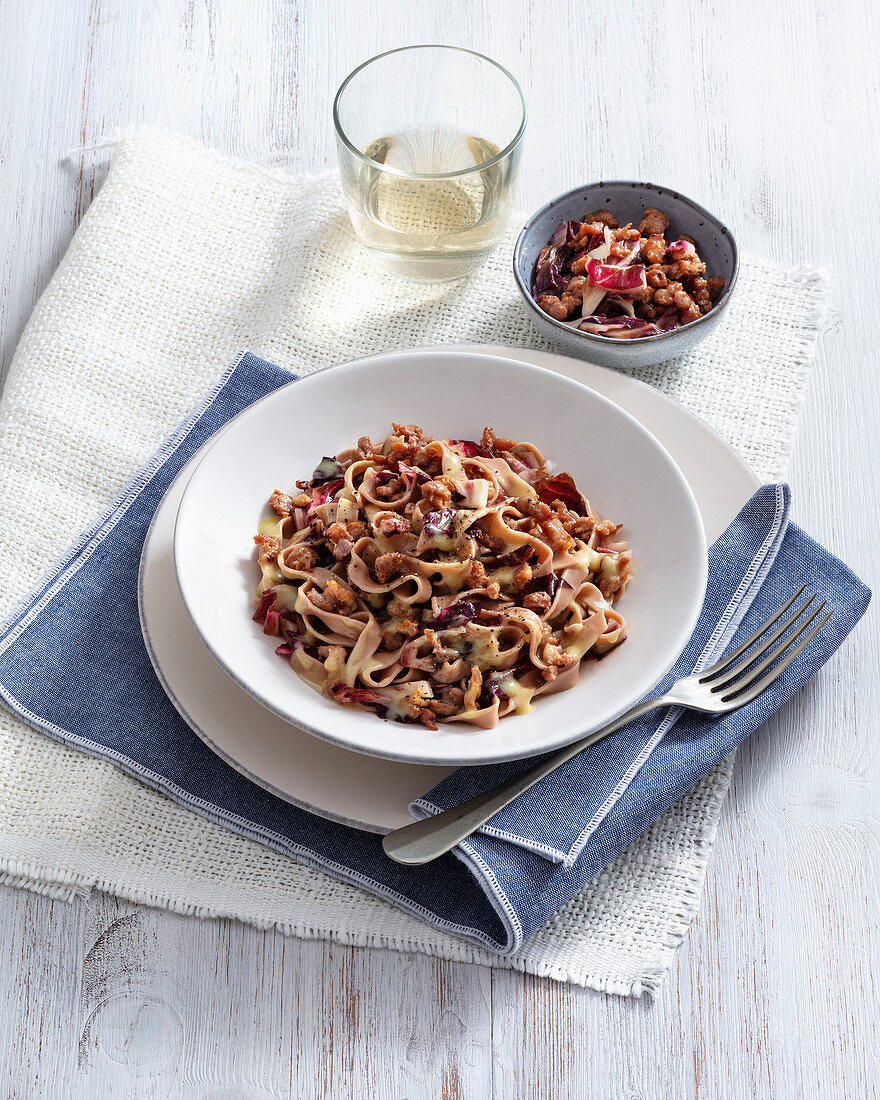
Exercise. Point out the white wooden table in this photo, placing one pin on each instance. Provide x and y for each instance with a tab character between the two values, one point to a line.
767	113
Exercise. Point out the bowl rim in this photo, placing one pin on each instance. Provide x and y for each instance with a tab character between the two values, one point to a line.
425	756
604	341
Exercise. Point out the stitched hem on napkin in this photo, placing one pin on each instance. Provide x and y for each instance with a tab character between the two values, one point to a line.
728	623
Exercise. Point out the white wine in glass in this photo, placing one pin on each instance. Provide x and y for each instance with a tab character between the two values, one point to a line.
430	199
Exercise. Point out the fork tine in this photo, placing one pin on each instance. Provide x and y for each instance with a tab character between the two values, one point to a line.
711	672
755	690
735	673
739	666
734	683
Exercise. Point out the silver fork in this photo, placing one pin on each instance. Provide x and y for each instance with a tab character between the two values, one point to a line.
719	689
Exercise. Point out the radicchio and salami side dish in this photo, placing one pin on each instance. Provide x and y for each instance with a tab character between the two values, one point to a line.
430	579
622	282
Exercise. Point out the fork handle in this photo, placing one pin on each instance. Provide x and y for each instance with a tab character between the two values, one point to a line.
425	840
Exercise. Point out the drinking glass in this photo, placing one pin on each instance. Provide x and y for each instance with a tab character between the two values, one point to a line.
429	142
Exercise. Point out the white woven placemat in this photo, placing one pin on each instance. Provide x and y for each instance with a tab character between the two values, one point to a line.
184	258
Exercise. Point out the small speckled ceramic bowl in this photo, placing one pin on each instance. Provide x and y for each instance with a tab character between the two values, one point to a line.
628	200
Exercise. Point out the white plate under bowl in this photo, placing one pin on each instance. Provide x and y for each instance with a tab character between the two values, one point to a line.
618	464
368	792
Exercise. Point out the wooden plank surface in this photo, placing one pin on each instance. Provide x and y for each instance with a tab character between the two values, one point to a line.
768	115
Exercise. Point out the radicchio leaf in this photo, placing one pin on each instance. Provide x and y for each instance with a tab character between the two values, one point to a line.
492	689
549	583
440	523
413	472
668	320
455	614
619	279
327	490
326	470
548	272
681	250
561	487
362	696
517	555
267	599
619	328
469	448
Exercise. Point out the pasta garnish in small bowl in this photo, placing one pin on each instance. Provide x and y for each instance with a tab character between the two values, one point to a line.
429	579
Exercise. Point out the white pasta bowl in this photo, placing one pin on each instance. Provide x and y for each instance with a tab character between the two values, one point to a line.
617	464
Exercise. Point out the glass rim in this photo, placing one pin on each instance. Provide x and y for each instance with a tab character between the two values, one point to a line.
505	152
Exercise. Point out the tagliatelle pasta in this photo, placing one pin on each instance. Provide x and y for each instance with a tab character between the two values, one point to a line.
434	578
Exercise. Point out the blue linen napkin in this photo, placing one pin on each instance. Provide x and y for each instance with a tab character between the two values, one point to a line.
73	664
